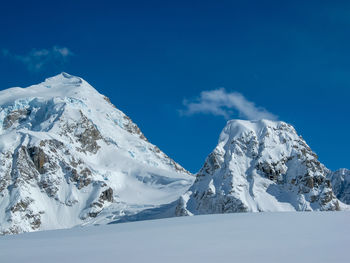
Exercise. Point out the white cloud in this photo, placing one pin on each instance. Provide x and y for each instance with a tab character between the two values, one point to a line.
37	59
219	102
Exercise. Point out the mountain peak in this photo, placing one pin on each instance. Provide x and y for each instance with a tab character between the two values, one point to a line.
237	126
70	157
65	78
259	166
267	131
62	85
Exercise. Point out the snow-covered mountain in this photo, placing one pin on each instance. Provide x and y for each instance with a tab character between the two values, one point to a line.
341	184
69	157
259	166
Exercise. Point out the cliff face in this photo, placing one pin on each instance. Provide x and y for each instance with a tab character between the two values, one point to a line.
259	166
341	184
69	157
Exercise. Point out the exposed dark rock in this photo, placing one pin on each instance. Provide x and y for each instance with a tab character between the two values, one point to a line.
53	144
81	178
23	170
5	172
49	187
96	204
109	101
94	214
273	171
133	128
21	205
86	134
16	115
39	158
107	195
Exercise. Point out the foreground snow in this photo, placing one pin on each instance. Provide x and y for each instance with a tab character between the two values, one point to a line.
247	237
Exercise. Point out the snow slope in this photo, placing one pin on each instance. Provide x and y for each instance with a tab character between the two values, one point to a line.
69	157
259	166
242	237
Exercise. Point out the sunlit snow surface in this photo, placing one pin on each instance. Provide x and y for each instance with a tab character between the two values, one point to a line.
249	237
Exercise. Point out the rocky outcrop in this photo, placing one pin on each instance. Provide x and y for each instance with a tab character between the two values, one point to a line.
15	116
38	157
107	195
133	128
85	133
97	206
341	184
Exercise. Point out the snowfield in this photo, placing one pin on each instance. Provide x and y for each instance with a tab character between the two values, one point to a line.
241	237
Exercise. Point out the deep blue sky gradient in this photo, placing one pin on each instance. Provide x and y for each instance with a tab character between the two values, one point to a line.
293	58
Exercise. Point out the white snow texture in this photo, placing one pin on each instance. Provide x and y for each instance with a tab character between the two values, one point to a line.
318	237
69	158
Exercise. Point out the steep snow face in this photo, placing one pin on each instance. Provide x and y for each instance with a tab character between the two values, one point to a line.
259	166
69	157
341	184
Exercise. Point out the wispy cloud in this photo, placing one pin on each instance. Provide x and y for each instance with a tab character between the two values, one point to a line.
219	102
38	59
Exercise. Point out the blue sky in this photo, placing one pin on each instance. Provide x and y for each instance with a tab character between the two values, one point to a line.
157	60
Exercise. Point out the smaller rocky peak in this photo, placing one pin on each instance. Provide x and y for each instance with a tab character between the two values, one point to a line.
259	166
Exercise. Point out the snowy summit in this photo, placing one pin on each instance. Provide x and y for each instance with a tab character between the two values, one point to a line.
69	157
